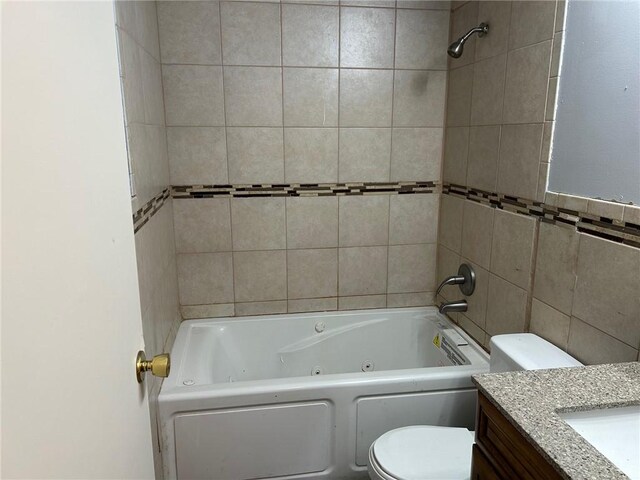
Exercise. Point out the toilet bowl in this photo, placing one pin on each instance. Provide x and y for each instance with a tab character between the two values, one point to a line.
421	452
444	453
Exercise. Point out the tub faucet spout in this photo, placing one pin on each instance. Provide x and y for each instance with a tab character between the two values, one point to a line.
457	306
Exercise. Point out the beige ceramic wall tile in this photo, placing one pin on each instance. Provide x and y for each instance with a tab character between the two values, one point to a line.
512	247
310	97
250	33
189	32
207	311
359	302
456	152
550	109
310	35
368	3
253	96
312	273
311	155
592	346
421	39
197	155
416	153
543	180
126	16
448	263
366	37
150	165
312	222
152	90
450	229
412	268
399	300
365	154
255	155
498	15
313	2
193	95
154	252
426	4
551	199
506	307
471	328
550	324
131	72
556	54
413	219
419	98
632	214
260	276
477	233
560	15
258	225
488	91
519	159
606	209
261	308
364	220
526	84
202	225
459	96
607	294
313	305
362	271
165	246
482	169
477	301
545	154
366	98
555	275
572	202
146	27
205	278
531	22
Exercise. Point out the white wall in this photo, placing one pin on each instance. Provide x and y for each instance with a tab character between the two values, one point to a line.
596	150
71	326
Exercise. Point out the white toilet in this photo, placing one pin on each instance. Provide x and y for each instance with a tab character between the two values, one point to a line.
443	453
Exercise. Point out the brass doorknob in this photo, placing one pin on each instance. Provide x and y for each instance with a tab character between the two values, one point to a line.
160	365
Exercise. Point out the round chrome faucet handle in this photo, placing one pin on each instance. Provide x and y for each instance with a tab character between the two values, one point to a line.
468	286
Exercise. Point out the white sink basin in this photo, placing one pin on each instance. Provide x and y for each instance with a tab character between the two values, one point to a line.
615	432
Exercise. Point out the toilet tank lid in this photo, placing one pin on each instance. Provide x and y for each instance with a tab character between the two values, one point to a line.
530	352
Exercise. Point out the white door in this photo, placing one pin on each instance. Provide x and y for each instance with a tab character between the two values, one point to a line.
71	327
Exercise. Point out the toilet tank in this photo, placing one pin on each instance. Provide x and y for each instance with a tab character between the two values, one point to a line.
526	351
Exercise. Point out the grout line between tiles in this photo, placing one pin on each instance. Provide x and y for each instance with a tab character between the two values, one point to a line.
338	150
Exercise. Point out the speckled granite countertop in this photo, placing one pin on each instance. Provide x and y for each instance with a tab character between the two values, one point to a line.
531	401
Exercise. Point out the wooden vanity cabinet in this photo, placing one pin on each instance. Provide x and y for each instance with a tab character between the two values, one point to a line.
501	452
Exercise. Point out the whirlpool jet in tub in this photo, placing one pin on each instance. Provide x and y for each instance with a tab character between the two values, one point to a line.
305	395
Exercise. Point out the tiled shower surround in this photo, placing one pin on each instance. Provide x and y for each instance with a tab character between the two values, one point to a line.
141	80
303	163
567	270
304	96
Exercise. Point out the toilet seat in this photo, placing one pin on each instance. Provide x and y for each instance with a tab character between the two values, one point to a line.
422	452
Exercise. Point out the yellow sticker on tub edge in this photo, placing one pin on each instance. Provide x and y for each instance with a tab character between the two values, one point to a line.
436	340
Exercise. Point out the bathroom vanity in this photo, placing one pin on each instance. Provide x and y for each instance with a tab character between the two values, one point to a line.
581	422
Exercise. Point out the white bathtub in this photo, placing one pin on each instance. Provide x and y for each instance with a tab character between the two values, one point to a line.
305	395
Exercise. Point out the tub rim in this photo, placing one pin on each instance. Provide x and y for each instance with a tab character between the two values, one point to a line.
171	389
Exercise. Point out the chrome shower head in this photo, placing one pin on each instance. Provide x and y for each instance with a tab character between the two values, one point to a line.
456	48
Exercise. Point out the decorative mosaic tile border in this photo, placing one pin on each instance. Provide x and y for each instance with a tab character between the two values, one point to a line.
302	189
611	229
144	214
